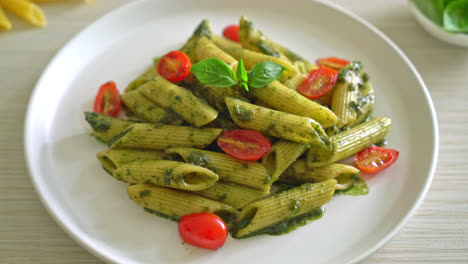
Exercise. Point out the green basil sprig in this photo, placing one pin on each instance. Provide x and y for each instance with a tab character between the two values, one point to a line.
215	72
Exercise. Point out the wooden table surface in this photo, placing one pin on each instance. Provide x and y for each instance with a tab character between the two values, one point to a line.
437	233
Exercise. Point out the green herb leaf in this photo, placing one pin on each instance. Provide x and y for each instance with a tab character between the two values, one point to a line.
241	72
456	16
264	73
432	9
214	72
244	85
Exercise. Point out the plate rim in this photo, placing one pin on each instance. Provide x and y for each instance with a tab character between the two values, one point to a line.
83	240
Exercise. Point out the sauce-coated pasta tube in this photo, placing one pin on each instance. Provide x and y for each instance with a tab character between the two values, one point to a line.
248	173
173	204
179	100
283	212
299	173
149	110
111	159
202	30
278	124
350	142
143	78
282	154
345	96
167	173
250	58
284	99
253	39
106	129
206	49
160	137
232	194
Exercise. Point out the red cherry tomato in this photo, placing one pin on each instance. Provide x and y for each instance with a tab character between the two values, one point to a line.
332	62
174	66
232	32
107	100
204	230
318	82
374	159
244	144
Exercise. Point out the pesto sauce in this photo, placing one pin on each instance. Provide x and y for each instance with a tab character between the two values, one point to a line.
382	143
242	113
144	193
267	49
359	187
172	218
168	177
223	197
98	122
198	158
286	226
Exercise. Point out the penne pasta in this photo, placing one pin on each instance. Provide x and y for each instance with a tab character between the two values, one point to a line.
106	129
160	137
202	30
281	155
5	23
345	96
149	110
299	173
250	174
284	99
283	212
173	204
143	78
166	173
206	49
253	39
111	159
278	124
232	194
350	142
250	58
26	10
179	100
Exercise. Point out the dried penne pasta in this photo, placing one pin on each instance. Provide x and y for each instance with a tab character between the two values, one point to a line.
5	23
26	10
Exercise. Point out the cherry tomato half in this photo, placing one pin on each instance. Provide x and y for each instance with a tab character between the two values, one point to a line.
244	144
332	62
374	159
107	100
204	230
174	66
232	32
318	82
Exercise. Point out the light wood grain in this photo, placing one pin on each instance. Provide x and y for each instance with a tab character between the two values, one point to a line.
437	233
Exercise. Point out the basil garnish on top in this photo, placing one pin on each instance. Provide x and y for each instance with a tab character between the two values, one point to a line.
215	72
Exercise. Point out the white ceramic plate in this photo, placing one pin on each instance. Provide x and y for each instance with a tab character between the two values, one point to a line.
94	209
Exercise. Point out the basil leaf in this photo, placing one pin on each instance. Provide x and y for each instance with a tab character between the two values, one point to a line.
214	72
456	16
264	73
432	9
244	85
241	72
